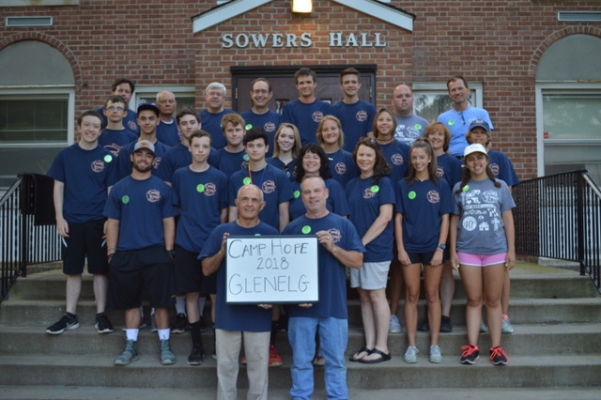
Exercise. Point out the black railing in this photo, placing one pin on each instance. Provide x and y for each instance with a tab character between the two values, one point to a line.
27	232
559	216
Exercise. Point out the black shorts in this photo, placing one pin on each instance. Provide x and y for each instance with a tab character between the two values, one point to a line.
209	284
187	272
423	258
85	241
134	272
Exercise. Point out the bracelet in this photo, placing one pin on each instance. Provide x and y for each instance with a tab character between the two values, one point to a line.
111	248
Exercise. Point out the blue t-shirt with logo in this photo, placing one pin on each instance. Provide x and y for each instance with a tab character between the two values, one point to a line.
306	117
397	156
179	156
342	166
269	122
168	133
336	203
232	162
113	140
289	169
449	168
212	123
357	121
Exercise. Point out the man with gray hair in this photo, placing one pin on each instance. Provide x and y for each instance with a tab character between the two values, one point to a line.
212	115
167	131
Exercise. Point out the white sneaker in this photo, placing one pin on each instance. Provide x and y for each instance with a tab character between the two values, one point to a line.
395	325
411	354
435	354
483	328
506	326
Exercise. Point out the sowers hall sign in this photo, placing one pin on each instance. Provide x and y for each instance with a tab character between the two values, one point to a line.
290	40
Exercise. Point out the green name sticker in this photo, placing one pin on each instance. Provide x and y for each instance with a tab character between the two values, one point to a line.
418	127
247	181
412	195
451	123
200	188
466	188
375	189
257	234
108	158
248	127
245	157
296	194
125	199
306	229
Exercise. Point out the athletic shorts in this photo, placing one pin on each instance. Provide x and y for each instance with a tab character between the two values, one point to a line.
481	260
423	258
134	272
187	272
85	241
371	275
209	284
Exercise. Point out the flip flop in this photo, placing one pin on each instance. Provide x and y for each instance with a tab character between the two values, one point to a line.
354	357
383	357
319	361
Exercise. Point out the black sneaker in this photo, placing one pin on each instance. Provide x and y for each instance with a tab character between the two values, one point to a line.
103	325
424	326
196	356
180	324
445	324
498	356
66	322
470	354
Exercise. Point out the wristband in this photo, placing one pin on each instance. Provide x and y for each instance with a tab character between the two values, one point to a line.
111	248
441	246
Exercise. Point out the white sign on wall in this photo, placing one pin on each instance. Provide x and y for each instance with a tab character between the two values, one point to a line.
272	269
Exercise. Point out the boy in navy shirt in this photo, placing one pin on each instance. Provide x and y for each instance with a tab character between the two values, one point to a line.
115	136
82	174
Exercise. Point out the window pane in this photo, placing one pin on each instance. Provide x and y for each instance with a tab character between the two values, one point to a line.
183	100
572	116
26	120
561	158
430	105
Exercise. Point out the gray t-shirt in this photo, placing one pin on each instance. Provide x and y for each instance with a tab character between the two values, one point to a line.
409	128
480	206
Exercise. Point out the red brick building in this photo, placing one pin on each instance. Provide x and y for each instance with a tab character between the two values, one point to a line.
533	65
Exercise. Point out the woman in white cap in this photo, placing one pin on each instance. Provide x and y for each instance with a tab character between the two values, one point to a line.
482	239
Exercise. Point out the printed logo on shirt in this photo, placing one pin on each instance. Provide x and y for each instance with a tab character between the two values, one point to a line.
495	169
268	187
368	193
132	125
397	159
156	162
490	196
469	223
97	165
340	168
336	235
269	127
153	195
361	116
317	116
433	197
244	165
113	148
210	189
439	171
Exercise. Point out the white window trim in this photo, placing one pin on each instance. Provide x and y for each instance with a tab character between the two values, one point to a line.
441	87
42	91
565	88
38	3
145	91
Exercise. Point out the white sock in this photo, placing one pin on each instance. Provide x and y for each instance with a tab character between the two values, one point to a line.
132	334
164	334
180	305
201	304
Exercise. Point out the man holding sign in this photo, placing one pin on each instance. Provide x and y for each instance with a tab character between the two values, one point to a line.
340	247
232	321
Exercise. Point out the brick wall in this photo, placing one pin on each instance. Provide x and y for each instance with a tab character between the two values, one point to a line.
151	42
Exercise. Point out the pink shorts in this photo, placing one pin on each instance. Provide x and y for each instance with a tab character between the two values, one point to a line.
481	260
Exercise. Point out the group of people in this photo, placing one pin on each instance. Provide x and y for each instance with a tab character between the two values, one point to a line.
149	200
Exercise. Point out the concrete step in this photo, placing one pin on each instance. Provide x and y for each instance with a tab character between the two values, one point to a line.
551	284
523	372
107	393
533	340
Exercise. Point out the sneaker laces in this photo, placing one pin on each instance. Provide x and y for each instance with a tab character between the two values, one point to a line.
468	350
498	351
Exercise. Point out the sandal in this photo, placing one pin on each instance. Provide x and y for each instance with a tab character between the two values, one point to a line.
383	357
355	357
319	361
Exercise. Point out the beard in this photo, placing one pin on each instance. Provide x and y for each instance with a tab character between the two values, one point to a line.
141	168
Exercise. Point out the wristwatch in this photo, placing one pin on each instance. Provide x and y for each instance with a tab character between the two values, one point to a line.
442	246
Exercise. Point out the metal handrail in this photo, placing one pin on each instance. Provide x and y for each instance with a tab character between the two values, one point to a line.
24	238
559	216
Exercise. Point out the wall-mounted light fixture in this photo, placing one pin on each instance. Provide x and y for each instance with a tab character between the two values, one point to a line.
302	6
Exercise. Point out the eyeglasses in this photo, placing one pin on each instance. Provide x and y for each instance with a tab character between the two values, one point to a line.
115	108
462	118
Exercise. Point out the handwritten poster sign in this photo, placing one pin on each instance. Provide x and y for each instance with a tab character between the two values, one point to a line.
271	269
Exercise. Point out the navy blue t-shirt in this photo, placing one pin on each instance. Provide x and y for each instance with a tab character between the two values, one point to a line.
306	117
179	156
86	174
449	169
269	122
232	162
212	124
336	202
140	207
289	169
113	140
332	273
168	133
357	121
130	121
236	317
397	156
342	166
502	168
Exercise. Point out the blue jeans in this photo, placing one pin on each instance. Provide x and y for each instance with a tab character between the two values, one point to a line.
333	333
